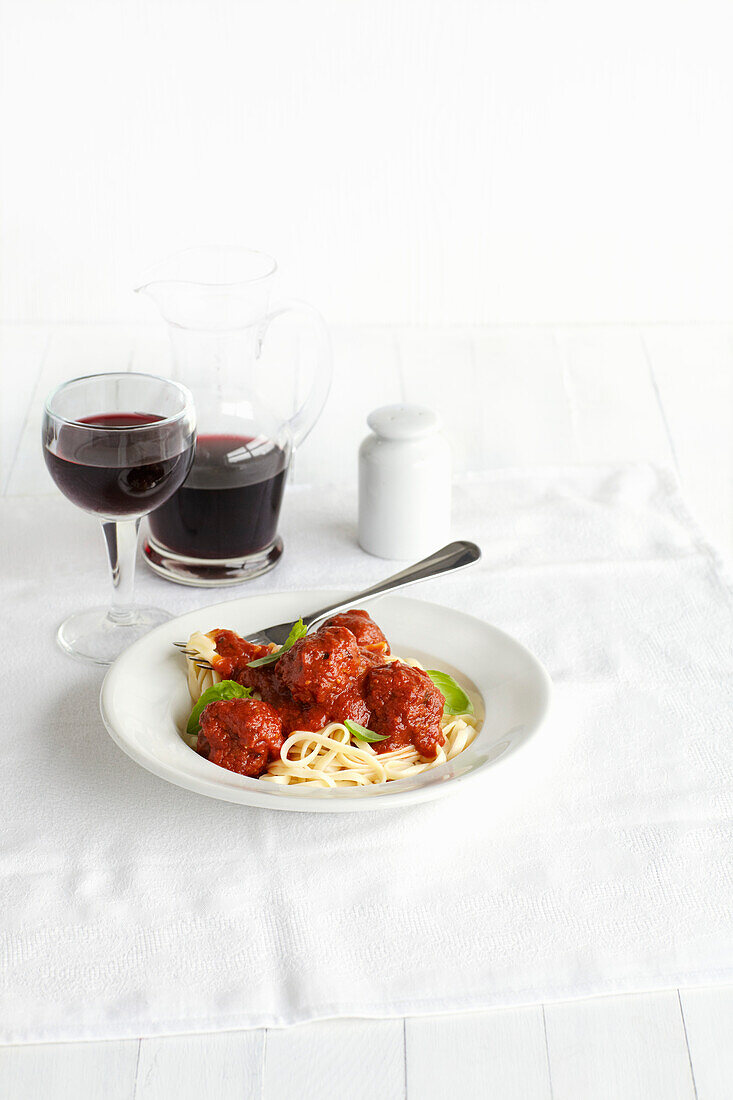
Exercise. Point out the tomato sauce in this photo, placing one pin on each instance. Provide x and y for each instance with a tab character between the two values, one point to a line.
233	653
336	673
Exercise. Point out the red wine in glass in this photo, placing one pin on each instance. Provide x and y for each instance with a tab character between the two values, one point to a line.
230	503
109	470
117	462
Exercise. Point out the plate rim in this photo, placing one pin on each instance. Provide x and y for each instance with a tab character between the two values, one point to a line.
327	801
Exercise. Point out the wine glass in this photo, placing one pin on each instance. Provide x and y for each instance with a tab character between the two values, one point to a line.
118	446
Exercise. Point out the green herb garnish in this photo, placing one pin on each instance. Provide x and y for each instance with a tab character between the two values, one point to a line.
297	630
226	689
363	733
456	700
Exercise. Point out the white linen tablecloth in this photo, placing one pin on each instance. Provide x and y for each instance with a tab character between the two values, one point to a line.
597	862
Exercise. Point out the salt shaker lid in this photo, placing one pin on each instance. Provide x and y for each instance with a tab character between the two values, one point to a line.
404	421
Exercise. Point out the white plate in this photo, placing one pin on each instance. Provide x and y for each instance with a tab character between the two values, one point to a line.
145	701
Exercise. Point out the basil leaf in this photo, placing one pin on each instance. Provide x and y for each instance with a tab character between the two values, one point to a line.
267	660
456	700
363	733
298	630
226	689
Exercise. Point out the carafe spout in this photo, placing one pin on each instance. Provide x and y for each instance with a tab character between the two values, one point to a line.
214	289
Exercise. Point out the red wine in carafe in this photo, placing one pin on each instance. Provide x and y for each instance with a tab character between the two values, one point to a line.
229	504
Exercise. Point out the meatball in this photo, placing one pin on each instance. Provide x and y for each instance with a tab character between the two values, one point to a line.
365	630
243	735
367	661
320	666
406	706
352	706
297	717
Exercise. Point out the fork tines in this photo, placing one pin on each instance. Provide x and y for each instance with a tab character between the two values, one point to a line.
193	656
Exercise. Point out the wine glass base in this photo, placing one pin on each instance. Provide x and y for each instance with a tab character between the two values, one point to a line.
201	573
99	635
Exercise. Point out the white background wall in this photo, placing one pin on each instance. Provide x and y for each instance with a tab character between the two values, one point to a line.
438	161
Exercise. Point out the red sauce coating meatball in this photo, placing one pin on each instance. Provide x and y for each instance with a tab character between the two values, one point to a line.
268	685
234	654
406	706
365	630
368	661
320	666
351	705
262	680
348	703
243	735
294	715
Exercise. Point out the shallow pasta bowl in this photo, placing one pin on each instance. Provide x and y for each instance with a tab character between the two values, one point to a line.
145	702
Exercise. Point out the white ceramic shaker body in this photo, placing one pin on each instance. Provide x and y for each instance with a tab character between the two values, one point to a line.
404	483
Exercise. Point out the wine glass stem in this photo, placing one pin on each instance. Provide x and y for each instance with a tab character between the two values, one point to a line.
121	541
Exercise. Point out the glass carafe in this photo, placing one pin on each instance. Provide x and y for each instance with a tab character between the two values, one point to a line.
221	526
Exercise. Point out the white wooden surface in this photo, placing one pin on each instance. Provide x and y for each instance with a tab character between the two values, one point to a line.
540	395
436	162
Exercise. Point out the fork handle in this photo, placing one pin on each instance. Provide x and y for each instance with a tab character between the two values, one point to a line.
455	555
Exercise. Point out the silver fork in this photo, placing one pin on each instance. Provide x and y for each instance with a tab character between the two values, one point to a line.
456	555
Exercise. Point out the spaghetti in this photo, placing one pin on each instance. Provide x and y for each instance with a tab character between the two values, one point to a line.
334	755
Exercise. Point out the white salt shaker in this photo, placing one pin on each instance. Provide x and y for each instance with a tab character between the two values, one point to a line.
404	483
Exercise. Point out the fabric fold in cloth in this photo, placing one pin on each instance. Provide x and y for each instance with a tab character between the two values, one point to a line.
596	862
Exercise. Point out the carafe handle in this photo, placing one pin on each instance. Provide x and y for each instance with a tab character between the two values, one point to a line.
308	413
